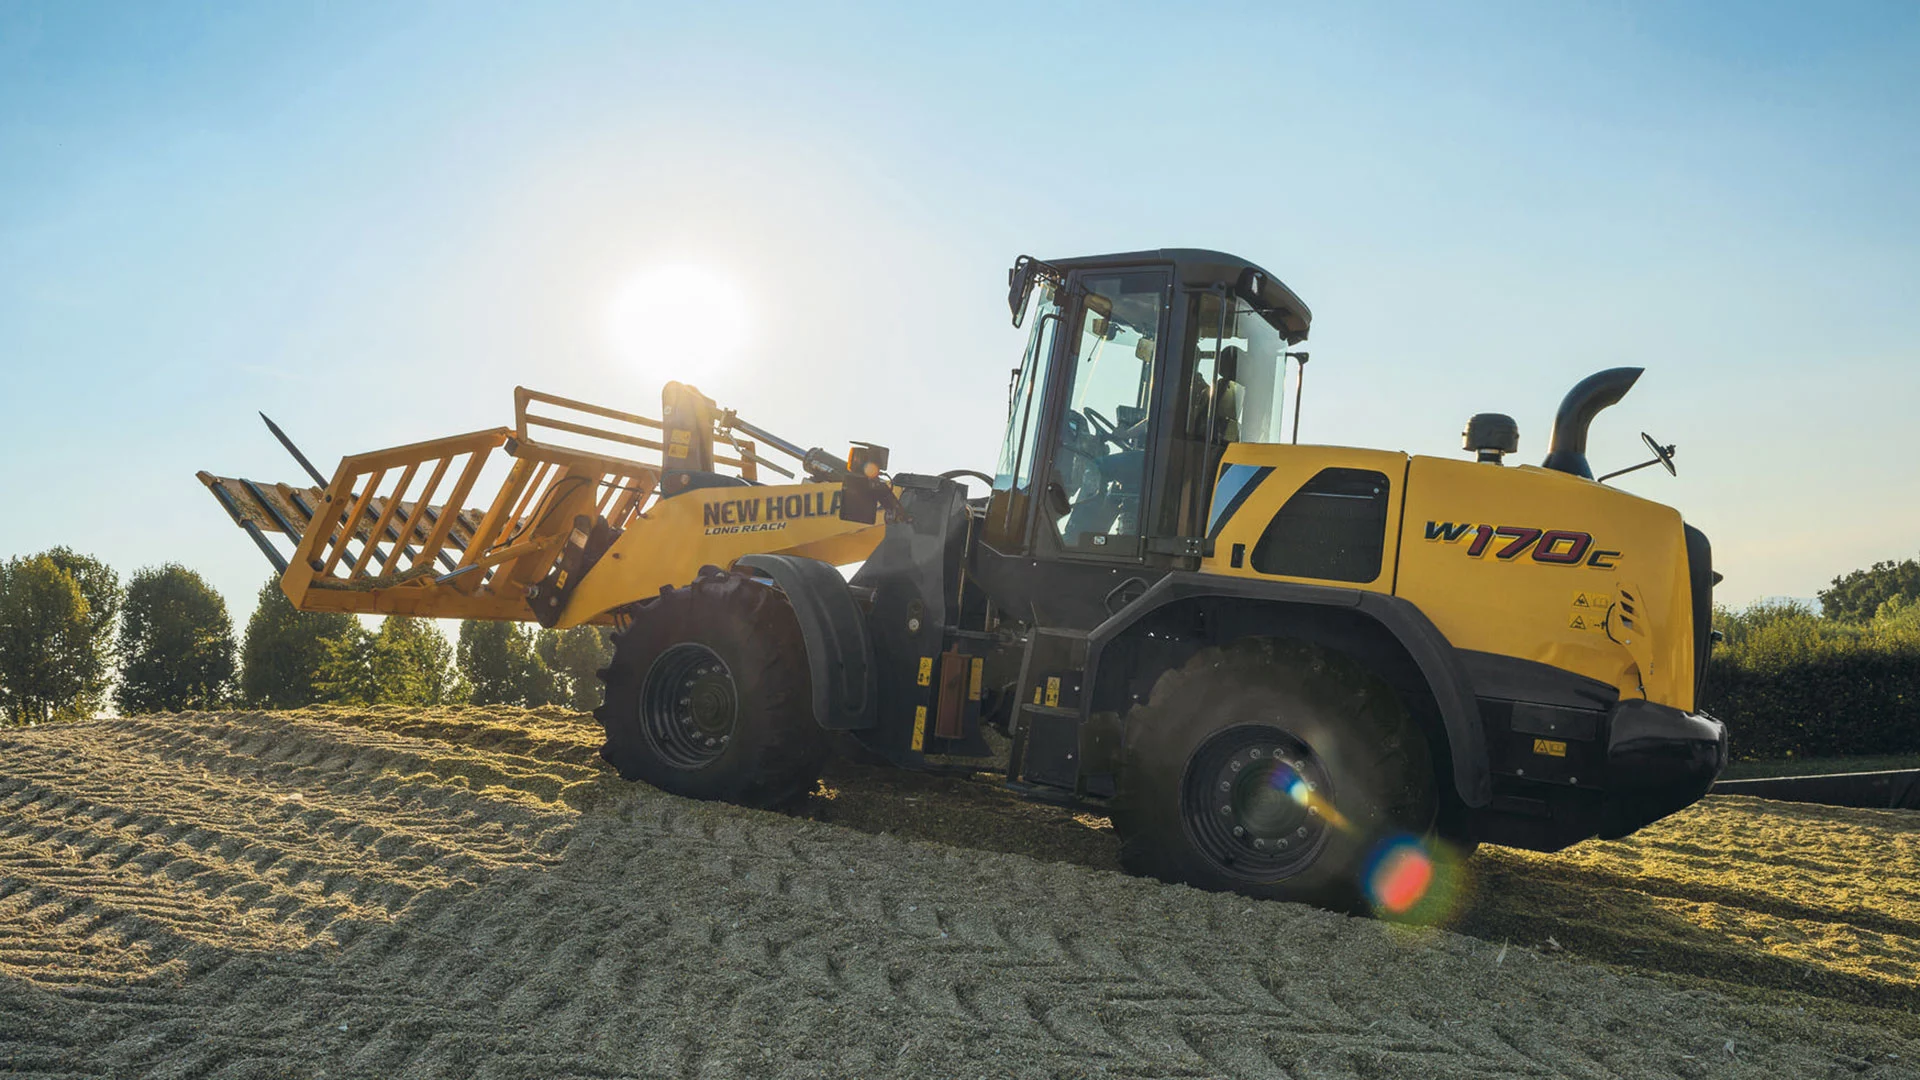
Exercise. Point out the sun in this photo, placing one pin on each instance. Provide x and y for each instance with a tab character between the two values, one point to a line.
678	317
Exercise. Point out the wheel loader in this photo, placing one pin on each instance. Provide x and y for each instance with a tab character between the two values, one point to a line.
1266	661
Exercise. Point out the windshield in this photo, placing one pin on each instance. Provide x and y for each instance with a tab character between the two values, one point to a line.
1244	358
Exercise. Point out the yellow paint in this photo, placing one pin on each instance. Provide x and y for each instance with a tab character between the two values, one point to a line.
1036	695
1521	607
1550	748
1053	690
919	726
973	683
669	544
926	671
1293	466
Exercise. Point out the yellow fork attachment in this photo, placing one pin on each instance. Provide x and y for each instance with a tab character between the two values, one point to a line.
380	538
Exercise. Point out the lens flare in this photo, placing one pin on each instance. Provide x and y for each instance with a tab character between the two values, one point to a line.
1414	881
1399	876
1285	779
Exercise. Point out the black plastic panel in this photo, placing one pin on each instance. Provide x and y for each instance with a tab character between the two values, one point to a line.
1333	529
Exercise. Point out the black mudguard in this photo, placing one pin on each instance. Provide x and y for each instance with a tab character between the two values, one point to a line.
1424	645
839	655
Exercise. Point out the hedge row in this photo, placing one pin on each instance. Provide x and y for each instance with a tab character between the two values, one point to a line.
1790	683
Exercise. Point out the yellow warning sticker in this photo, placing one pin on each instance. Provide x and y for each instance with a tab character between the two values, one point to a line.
1053	690
1036	695
1543	747
973	683
926	671
1584	620
1591	601
919	726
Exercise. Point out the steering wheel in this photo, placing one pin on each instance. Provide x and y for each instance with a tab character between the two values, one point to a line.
1663	453
1108	431
955	474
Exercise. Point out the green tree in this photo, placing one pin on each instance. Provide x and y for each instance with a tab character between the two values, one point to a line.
575	656
47	650
413	662
285	647
100	587
498	662
408	662
176	643
1858	595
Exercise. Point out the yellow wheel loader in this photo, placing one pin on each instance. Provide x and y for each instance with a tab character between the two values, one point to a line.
1264	660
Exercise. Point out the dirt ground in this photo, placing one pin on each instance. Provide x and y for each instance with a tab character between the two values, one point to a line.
456	893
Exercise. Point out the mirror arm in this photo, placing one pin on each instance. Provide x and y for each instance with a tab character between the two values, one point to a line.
1625	471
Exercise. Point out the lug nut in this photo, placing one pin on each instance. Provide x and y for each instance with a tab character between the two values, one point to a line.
1261	844
1301	831
1238	831
1226	785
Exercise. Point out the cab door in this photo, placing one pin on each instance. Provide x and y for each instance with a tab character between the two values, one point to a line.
1094	499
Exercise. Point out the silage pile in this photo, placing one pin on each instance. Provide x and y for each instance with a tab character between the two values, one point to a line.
467	893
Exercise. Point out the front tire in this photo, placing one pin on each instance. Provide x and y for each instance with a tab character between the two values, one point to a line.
1272	769
708	695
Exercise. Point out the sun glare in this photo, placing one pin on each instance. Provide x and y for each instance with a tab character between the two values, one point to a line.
678	318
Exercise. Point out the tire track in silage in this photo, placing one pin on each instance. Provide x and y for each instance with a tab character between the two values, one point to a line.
199	830
650	936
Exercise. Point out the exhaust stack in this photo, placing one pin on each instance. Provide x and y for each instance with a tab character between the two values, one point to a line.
1567	451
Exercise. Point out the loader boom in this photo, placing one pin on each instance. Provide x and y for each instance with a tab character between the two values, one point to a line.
400	532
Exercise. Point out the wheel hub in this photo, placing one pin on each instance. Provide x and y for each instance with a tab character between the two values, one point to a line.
1255	799
688	706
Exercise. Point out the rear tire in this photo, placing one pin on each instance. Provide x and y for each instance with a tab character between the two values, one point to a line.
708	695
1273	769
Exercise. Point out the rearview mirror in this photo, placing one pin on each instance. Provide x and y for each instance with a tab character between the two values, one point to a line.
1020	286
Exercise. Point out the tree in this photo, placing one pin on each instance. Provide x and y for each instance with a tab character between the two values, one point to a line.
176	643
1858	595
284	649
408	662
576	656
100	588
47	652
498	661
413	663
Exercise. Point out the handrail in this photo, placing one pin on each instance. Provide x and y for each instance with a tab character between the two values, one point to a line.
522	397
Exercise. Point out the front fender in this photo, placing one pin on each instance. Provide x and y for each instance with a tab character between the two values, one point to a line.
1425	646
839	656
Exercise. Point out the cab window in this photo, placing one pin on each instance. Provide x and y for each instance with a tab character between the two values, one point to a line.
1099	460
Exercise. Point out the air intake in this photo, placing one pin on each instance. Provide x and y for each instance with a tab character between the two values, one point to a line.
1567	450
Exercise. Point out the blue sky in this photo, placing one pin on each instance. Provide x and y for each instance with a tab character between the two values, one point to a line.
373	221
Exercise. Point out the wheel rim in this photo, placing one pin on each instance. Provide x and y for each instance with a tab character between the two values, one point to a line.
689	706
1255	801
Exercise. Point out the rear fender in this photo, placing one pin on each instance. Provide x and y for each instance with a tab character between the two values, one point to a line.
1187	611
839	656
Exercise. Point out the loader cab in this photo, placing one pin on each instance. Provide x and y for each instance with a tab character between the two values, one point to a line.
1138	370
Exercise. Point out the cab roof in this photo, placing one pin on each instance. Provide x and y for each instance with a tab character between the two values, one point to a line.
1200	267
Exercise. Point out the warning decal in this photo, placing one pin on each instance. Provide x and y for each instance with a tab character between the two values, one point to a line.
1588	611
